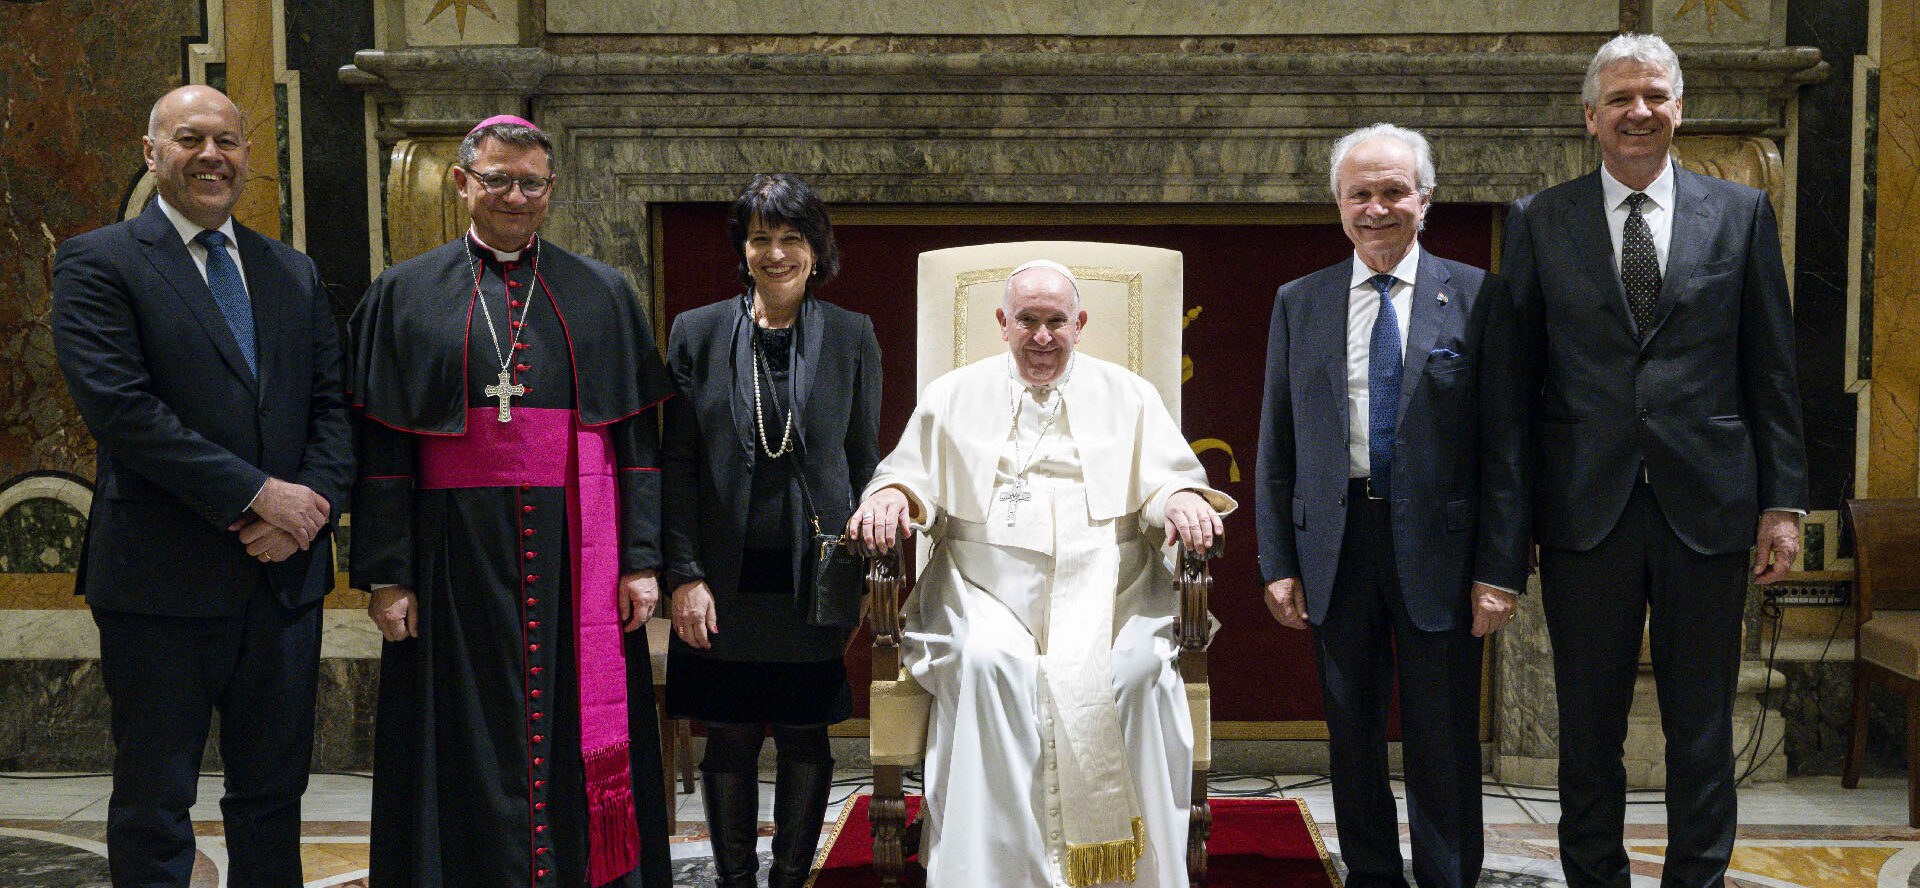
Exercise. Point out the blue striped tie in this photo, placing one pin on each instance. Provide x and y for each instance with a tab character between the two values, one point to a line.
223	278
1383	387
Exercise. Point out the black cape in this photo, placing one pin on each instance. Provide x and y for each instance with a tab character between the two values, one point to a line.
404	377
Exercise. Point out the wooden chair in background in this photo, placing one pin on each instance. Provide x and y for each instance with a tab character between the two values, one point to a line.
1886	600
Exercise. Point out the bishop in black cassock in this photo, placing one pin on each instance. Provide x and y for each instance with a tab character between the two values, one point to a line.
515	740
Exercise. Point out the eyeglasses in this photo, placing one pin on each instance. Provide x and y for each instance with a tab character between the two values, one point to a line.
498	184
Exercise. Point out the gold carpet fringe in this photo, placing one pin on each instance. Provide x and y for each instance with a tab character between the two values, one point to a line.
1114	861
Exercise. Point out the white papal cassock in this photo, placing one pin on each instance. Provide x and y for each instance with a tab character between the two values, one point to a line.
1060	747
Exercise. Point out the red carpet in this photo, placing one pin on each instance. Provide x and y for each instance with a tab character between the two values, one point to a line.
1268	843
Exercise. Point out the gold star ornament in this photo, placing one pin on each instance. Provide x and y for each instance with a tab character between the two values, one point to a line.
1712	8
460	7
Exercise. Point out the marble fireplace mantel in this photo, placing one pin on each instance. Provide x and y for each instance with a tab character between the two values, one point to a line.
1022	127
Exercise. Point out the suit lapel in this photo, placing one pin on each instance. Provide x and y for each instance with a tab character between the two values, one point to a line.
1430	282
1593	245
806	363
1332	335
741	360
169	258
1694	217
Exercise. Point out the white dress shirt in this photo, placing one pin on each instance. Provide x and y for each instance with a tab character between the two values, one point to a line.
1363	307
189	230
1657	209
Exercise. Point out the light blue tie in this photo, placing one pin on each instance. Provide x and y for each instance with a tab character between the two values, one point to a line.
223	278
1383	387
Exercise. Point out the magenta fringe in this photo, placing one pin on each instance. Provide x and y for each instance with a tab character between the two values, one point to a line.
613	836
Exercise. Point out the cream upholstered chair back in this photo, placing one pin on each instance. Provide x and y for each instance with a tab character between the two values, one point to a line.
1132	296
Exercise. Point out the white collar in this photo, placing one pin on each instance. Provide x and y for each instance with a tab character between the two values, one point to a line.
1407	269
1013	375
189	229
497	254
1660	190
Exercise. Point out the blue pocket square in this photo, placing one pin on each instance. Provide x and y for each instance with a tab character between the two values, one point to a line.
1442	353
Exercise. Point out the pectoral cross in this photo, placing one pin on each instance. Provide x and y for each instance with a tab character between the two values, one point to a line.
1015	494
506	390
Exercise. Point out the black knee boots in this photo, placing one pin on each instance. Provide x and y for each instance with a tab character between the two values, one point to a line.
733	822
799	807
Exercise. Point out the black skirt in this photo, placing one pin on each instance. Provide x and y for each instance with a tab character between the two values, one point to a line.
749	691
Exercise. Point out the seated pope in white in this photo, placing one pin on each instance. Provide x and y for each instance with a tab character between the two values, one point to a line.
1060	748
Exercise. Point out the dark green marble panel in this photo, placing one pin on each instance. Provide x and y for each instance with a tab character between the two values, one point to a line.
41	536
54	717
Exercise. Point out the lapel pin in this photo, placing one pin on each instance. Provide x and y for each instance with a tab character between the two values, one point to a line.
1442	299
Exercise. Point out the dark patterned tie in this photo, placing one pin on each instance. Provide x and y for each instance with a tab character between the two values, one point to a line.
223	278
1639	265
1383	387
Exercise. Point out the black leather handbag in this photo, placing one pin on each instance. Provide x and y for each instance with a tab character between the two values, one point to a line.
829	594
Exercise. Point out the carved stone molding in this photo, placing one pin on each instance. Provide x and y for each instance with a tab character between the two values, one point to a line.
423	208
1749	160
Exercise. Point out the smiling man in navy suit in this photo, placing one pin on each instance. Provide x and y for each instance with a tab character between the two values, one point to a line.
205	361
1368	501
1649	423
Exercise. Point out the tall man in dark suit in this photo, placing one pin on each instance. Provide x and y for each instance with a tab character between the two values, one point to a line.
1367	499
206	363
1649	422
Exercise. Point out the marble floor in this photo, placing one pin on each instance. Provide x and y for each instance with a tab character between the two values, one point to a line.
1796	833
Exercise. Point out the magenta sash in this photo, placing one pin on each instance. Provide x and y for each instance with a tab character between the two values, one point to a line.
547	447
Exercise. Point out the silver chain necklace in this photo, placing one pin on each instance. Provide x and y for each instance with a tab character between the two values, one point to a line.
507	389
1016	492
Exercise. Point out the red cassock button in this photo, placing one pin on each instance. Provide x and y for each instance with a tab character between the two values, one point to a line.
532	601
513	283
541	828
539	761
538	716
533	647
528	509
526	486
533	578
519	345
535	693
537	670
538	738
539	850
532	554
522	367
529	531
541	874
540	806
539	784
533	624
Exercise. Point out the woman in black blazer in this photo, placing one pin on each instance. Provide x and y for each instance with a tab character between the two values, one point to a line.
773	384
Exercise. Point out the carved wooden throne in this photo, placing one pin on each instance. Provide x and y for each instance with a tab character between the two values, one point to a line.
1133	294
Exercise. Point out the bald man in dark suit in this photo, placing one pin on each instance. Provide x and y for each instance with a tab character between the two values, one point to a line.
205	360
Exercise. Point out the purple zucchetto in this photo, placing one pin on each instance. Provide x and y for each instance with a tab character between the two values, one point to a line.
503	118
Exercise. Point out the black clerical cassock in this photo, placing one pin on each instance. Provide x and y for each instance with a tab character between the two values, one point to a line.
508	474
